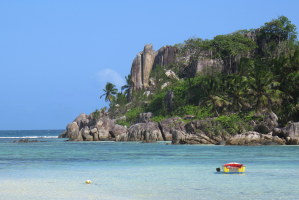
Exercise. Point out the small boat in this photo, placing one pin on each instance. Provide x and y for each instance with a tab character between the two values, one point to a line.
232	168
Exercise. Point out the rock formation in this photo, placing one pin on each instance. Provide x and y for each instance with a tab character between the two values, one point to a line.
87	128
145	132
167	126
267	124
144	62
254	138
290	133
147	59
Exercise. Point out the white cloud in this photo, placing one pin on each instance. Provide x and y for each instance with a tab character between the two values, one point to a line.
110	75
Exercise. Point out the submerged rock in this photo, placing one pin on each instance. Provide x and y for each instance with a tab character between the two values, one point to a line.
26	141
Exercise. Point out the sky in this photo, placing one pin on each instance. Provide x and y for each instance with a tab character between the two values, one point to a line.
57	55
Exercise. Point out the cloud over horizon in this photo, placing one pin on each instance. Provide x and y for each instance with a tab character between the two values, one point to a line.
110	75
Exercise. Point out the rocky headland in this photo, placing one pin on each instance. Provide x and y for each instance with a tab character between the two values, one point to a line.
87	128
236	89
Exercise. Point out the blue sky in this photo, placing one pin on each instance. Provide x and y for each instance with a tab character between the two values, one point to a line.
57	55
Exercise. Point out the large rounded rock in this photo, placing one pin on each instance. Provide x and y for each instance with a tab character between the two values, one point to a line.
267	124
290	133
72	132
254	138
85	132
103	126
117	130
181	137
82	120
175	123
146	132
95	134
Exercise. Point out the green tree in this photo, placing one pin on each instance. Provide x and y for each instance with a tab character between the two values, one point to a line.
274	37
212	94
228	47
264	89
109	92
237	88
127	87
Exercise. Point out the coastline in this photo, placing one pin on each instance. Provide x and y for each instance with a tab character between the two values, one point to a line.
88	128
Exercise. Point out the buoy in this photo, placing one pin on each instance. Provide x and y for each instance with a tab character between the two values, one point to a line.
88	181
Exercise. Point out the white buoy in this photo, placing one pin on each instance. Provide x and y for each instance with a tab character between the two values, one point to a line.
88	181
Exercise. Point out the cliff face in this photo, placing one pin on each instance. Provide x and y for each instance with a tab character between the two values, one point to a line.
147	59
144	62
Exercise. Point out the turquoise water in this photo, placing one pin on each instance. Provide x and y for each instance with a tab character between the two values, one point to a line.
56	169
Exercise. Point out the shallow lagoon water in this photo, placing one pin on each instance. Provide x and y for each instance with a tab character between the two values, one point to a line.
56	169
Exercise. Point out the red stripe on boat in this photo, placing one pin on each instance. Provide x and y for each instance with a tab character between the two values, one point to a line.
233	165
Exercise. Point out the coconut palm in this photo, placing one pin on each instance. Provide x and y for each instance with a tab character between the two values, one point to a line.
128	85
264	90
212	96
109	92
237	88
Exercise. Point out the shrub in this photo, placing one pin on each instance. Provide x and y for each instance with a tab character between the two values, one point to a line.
233	123
132	114
158	118
123	123
156	105
96	114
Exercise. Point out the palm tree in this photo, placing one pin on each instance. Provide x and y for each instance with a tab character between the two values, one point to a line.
212	96
237	88
264	90
128	85
110	91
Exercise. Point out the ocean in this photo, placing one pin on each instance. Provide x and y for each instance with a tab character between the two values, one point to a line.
57	169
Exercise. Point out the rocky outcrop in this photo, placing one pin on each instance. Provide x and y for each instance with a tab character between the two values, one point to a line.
166	55
255	138
142	66
148	58
268	122
73	132
87	128
199	132
26	140
117	130
136	73
167	126
181	137
170	74
145	132
290	133
207	128
144	117
144	62
203	63
207	131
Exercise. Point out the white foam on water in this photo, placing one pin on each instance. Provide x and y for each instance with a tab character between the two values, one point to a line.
29	137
